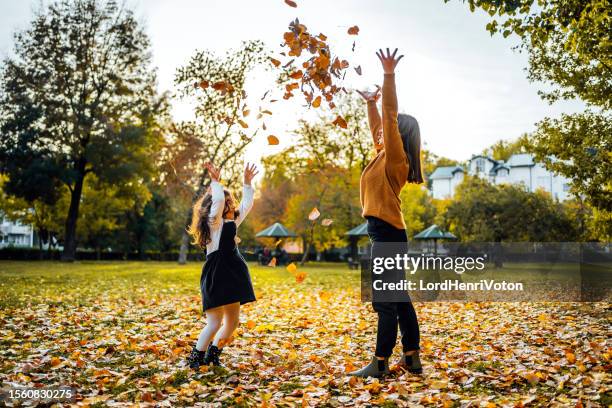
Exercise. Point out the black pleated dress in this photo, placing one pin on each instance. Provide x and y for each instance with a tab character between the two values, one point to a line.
225	276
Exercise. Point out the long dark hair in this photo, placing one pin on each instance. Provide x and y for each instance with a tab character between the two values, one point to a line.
411	138
199	229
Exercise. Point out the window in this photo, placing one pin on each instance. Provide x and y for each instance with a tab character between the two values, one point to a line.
480	165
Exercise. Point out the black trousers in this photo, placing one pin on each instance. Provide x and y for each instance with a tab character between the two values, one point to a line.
392	314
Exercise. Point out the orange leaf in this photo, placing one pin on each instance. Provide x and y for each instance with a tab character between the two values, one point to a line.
314	214
243	124
317	102
250	325
339	121
273	140
300	276
203	84
275	62
296	75
291	267
291	3
354	30
246	112
272	262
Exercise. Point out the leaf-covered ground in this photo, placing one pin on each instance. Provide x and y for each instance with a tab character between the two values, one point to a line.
120	332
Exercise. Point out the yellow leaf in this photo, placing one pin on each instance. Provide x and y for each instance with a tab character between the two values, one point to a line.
243	124
291	267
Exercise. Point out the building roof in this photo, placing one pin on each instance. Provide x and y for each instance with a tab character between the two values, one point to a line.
359	230
445	172
434	232
521	159
276	230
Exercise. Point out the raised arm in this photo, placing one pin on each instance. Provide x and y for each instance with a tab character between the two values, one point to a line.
248	193
373	116
394	148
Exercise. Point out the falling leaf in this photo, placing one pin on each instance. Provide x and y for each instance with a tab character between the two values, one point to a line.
354	30
203	84
358	69
272	262
291	267
317	102
314	214
339	121
243	124
276	63
291	3
300	276
246	112
327	222
273	140
296	75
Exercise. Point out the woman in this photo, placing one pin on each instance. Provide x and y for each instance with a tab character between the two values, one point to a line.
225	282
398	147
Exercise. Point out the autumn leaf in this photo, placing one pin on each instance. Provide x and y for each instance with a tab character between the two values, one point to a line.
317	102
250	324
272	262
243	124
314	214
276	63
326	222
273	140
291	267
339	121
203	84
354	30
246	112
291	3
358	69
300	276
296	75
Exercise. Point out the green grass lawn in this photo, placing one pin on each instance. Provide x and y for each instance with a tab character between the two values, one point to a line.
120	331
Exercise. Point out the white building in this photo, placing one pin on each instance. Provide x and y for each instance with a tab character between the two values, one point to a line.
519	169
15	234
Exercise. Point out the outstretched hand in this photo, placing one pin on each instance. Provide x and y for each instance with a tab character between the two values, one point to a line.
249	173
388	61
213	172
370	96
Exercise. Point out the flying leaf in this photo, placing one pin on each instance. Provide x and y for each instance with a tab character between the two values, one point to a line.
273	140
276	63
358	69
354	30
314	214
203	84
317	102
300	276
291	267
291	3
246	112
272	262
339	121
327	222
243	124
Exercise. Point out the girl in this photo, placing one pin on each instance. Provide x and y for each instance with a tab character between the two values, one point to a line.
225	282
398	149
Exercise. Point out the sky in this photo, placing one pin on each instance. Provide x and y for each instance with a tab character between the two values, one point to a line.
466	88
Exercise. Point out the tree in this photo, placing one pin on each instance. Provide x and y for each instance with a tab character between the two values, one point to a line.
219	133
78	98
485	212
569	48
40	215
502	149
417	207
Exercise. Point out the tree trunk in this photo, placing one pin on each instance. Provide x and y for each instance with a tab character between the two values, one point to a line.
41	254
70	239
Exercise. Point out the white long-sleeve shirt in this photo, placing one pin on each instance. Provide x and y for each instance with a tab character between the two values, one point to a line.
215	218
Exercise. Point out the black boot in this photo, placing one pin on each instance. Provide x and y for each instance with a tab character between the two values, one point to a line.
412	363
212	356
196	358
377	368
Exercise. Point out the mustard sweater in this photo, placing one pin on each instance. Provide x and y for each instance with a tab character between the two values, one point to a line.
383	178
